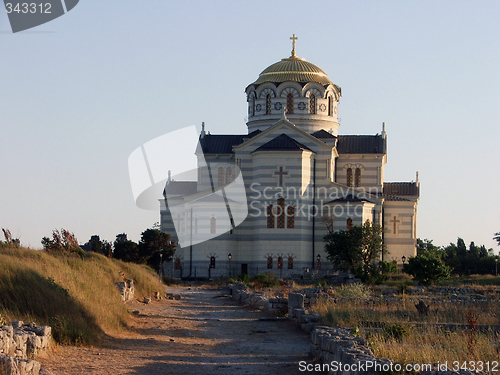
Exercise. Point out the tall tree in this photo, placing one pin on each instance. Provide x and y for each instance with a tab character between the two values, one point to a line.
355	249
126	250
154	241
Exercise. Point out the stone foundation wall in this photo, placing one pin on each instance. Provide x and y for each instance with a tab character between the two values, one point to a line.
19	344
329	344
272	306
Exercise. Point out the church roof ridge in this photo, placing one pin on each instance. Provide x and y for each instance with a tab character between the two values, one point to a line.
401	188
362	144
223	143
283	142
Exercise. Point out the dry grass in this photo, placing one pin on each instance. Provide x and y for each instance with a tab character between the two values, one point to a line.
400	340
74	294
432	346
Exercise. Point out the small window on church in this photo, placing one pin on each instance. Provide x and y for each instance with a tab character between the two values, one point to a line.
280	263
281	212
357	177
270	216
221	176
289	103
268	104
290	263
229	175
312	104
270	263
290	222
349	177
349	224
330	106
213	225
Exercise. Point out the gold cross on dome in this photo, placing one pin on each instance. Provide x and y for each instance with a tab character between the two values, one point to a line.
293	39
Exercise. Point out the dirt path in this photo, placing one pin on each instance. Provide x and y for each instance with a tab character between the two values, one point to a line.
203	333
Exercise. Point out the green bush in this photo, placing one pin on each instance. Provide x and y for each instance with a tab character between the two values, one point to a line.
267	280
396	331
427	268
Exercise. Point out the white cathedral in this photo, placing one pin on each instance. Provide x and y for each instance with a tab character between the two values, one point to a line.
297	174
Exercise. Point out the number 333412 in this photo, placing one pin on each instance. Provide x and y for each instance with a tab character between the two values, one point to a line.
28	7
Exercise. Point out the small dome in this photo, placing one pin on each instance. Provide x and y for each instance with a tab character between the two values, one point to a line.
293	69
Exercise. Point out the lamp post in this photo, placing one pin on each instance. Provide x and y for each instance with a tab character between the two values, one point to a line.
318	258
403	258
161	264
229	256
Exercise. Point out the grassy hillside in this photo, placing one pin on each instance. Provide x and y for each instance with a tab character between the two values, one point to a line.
74	294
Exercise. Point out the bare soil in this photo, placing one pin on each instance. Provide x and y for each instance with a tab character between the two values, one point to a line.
205	332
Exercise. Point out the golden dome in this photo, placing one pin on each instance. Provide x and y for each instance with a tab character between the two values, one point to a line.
293	69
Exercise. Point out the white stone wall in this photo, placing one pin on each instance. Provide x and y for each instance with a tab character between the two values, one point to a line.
404	240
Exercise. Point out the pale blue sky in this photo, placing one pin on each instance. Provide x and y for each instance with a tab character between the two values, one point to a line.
80	93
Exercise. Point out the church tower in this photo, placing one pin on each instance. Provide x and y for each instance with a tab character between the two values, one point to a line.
300	89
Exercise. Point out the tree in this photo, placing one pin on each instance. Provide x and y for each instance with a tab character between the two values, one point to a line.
427	268
9	240
426	245
152	242
355	249
497	238
126	250
62	241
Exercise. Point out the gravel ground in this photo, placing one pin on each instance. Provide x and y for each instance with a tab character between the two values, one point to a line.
203	333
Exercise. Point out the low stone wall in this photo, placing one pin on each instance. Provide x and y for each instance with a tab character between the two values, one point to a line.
18	342
126	289
331	345
271	306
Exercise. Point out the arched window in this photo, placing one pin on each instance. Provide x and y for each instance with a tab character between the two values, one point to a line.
268	104
290	212
289	103
221	176
349	224
357	177
290	263
280	263
212	262
270	216
270	263
213	225
330	106
229	175
349	177
312	104
281	212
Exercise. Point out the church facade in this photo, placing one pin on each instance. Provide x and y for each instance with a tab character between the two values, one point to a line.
298	175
